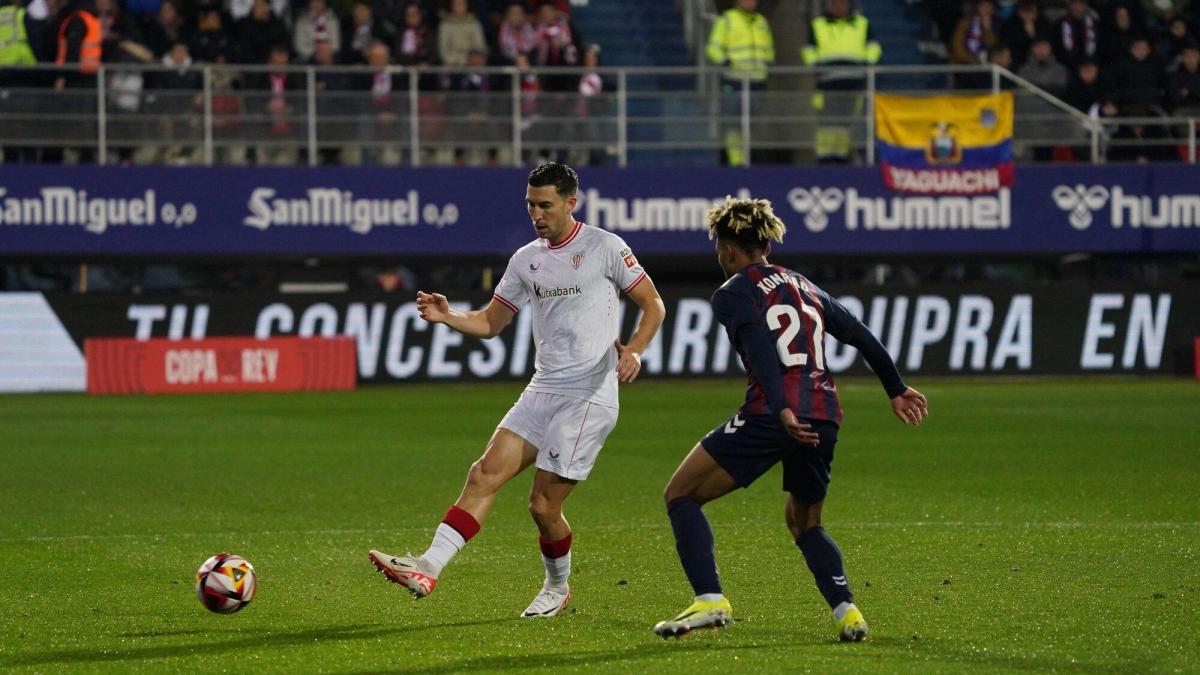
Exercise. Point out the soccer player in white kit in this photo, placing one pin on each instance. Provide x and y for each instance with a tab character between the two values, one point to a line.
571	276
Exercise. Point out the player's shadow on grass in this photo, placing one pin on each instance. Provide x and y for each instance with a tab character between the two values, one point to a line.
251	638
616	659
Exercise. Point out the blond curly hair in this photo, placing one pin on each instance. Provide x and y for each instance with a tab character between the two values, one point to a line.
751	223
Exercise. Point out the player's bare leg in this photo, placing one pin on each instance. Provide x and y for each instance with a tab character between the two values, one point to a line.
824	560
546	500
697	481
506	455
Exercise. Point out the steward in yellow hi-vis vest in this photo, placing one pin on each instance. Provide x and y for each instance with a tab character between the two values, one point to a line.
741	40
14	41
742	43
839	38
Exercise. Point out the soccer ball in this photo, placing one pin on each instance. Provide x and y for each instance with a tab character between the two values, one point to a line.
225	583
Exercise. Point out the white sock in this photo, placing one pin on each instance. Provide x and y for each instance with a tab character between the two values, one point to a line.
711	597
840	610
447	542
558	570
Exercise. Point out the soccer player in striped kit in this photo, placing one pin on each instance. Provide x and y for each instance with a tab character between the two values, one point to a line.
777	321
571	277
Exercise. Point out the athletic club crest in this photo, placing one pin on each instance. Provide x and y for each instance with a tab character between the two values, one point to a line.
577	260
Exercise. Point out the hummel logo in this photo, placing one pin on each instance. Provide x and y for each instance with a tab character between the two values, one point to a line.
734	424
553	455
840	581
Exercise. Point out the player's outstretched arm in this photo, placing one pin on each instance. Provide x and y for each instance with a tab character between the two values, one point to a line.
629	356
911	407
481	323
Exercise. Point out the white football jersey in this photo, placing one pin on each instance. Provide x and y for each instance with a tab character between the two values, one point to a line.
574	289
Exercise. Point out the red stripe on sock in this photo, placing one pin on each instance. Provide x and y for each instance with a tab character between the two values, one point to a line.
555	549
462	521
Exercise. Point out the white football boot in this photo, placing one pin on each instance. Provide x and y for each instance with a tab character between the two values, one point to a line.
549	602
411	573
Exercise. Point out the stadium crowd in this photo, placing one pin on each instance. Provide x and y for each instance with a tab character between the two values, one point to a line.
82	34
1114	58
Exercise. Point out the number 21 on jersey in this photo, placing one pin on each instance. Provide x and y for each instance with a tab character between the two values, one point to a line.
784	344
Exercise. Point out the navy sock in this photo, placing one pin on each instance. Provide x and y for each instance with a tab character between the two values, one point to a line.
694	542
824	560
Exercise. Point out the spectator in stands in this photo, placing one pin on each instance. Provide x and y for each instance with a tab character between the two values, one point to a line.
1171	44
211	43
334	104
1090	91
360	31
1140	142
742	42
1043	70
1022	28
274	108
1076	35
414	45
1183	90
390	15
975	34
79	49
16	51
555	47
177	109
40	27
164	29
839	37
592	107
1116	37
516	36
259	31
470	111
1159	13
459	34
387	90
1140	78
317	24
119	31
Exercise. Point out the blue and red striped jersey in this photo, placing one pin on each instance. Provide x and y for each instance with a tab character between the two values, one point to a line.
772	309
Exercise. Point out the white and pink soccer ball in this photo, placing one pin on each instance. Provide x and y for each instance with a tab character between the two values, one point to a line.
225	583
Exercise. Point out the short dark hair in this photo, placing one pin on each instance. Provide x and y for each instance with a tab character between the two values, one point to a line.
750	224
562	177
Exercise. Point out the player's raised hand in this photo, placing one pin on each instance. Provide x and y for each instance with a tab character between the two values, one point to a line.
911	407
798	430
629	363
433	306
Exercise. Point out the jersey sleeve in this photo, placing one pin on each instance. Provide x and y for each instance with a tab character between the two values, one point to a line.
621	266
843	325
512	291
736	312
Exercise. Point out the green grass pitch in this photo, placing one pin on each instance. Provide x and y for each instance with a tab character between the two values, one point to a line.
1035	525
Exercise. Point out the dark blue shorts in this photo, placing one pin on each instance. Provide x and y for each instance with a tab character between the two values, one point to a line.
747	447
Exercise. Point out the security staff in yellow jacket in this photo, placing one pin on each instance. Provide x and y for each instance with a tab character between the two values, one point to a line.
16	106
741	41
838	38
14	39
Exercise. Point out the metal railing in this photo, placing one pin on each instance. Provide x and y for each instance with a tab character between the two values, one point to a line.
506	116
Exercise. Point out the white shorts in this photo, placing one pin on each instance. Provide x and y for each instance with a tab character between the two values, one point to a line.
567	432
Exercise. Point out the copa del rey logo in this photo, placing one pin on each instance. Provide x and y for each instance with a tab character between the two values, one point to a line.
1082	202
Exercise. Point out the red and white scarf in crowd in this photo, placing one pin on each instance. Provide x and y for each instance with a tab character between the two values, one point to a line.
1070	39
973	40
